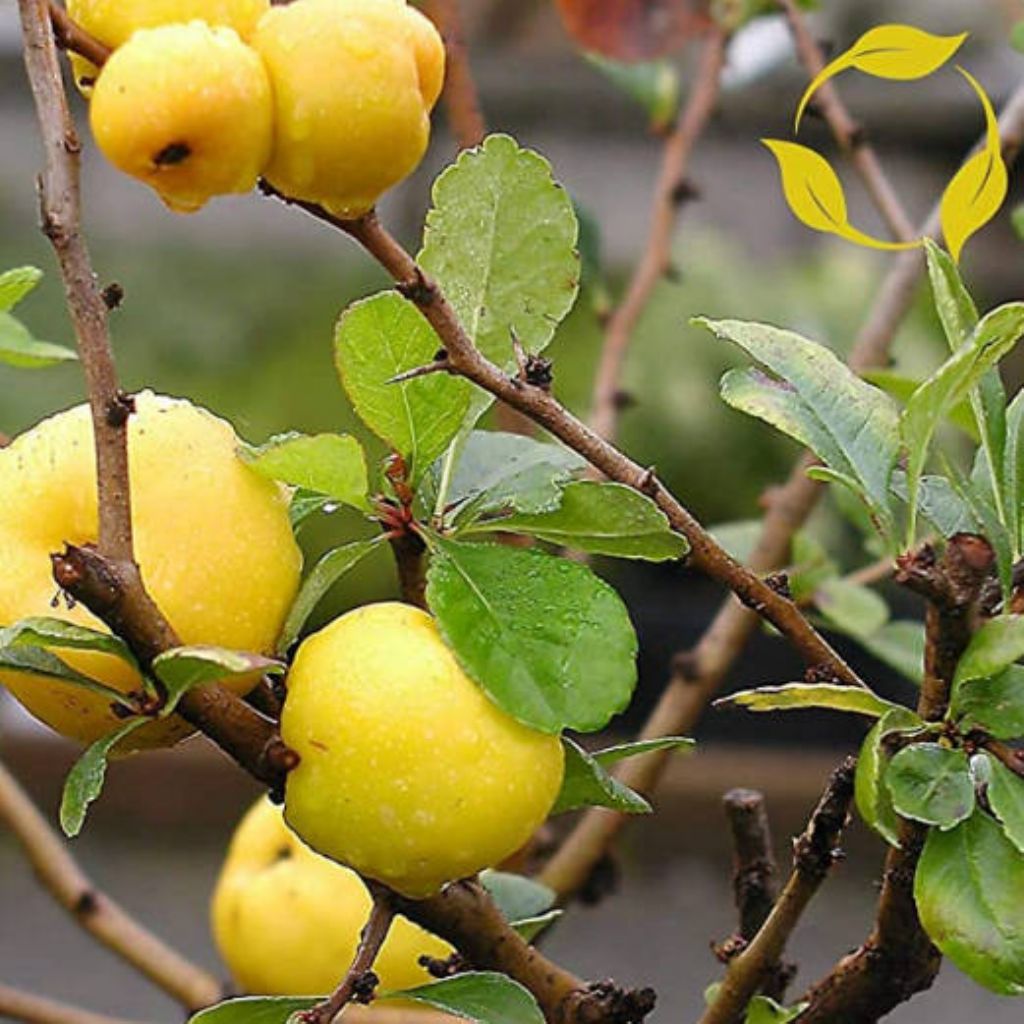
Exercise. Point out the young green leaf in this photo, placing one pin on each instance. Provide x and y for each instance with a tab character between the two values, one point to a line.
994	704
854	609
37	661
931	784
255	1010
814	397
967	889
853	699
871	795
183	668
995	646
85	780
379	339
483	996
549	642
602	518
43	631
530	927
588	783
1013	471
1004	790
900	645
332	465
654	85
765	1010
902	387
516	896
307	503
16	284
501	241
940	503
19	348
318	581
957	312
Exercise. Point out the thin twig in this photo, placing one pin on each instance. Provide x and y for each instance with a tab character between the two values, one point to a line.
669	195
814	854
96	912
848	133
359	981
698	674
461	97
71	36
30	1008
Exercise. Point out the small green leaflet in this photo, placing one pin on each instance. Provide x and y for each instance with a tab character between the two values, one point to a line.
602	518
19	348
870	792
16	284
44	631
483	996
85	780
254	1010
378	339
547	640
760	1009
1017	216
501	241
332	465
654	85
931	784
967	889
37	661
524	903
588	783
318	581
994	704
184	668
902	387
854	699
854	609
305	504
939	502
995	646
1005	792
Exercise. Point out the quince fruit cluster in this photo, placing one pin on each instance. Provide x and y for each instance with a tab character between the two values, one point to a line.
328	100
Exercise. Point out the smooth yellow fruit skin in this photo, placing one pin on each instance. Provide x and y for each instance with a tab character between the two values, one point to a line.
287	921
354	83
113	21
187	110
409	773
212	537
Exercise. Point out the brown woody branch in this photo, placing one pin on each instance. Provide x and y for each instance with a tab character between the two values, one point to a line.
814	854
30	1008
96	912
72	37
669	194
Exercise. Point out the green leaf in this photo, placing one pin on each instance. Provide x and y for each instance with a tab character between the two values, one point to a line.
871	795
1017	37
939	502
37	661
811	567
501	241
764	1010
902	387
19	348
588	783
183	668
483	996
995	704
378	339
508	472
900	645
332	465
549	642
254	1010
1005	792
931	784
957	311
318	581
654	85
516	896
967	889
814	397
853	699
995	646
530	927
602	518
85	780
16	284
44	631
1013	469
1017	220
307	503
850	607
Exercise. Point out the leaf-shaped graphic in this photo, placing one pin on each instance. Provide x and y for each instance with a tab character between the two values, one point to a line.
978	189
898	52
815	194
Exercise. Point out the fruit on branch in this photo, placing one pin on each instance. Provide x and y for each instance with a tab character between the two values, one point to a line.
409	773
113	21
212	538
354	83
185	109
287	920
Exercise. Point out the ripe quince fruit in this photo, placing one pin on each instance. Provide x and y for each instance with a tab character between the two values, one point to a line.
410	774
287	920
185	109
212	539
113	21
354	83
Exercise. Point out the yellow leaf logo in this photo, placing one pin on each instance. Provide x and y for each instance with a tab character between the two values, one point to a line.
898	52
978	189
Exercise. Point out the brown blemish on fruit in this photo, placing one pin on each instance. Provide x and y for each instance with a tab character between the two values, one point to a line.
173	153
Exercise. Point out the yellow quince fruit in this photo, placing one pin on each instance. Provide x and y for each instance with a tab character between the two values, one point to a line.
354	83
287	921
185	109
212	538
113	21
410	774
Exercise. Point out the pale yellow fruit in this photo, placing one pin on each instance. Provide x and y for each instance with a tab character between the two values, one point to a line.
409	773
212	537
113	21
287	921
354	83
185	109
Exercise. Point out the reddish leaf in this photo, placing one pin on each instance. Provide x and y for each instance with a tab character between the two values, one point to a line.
633	30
